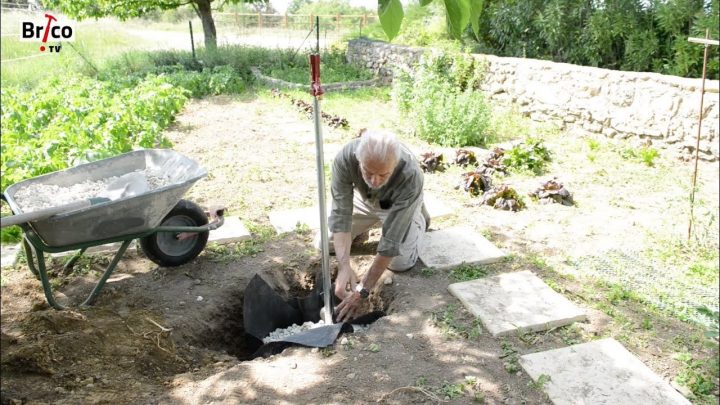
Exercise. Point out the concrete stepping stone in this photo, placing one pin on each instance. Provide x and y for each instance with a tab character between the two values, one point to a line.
9	253
516	302
233	230
598	372
451	247
288	220
436	207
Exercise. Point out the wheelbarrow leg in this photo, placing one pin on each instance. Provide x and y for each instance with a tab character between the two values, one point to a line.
30	258
101	283
45	282
67	269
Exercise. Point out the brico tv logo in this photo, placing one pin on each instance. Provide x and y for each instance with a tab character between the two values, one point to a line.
48	30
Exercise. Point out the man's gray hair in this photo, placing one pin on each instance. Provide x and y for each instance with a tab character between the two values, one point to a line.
378	145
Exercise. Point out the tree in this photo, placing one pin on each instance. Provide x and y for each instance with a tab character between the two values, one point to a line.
82	9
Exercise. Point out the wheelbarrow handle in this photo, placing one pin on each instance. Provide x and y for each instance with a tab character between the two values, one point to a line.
48	212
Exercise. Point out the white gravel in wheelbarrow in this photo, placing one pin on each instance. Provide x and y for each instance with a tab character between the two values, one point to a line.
40	196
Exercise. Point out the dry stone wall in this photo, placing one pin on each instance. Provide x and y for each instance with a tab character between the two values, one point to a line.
651	108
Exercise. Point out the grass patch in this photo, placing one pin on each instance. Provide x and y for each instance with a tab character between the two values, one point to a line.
333	67
455	322
466	272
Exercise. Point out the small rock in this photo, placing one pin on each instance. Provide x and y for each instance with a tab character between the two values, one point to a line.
197	282
409	335
90	386
351	376
388	281
681	389
344	341
182	303
314	350
199	298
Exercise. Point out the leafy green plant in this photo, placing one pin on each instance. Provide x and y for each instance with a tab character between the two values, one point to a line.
648	155
451	391
530	155
72	120
439	97
465	272
210	81
334	68
540	382
700	376
511	357
456	325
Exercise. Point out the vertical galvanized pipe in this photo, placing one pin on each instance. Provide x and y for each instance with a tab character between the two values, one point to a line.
324	244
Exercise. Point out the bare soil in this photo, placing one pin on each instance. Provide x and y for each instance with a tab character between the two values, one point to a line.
175	335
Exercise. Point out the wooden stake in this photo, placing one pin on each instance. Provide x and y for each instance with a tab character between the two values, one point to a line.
707	42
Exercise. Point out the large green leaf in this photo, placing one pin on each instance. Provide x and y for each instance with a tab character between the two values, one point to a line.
391	15
476	7
425	2
458	14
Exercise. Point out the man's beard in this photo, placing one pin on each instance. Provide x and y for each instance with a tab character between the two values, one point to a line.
374	188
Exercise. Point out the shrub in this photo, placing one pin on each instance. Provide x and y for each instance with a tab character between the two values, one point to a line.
440	97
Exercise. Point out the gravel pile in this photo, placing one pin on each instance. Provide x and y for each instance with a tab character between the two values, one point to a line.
40	196
280	334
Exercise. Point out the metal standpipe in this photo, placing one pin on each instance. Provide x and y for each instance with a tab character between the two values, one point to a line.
327	309
317	91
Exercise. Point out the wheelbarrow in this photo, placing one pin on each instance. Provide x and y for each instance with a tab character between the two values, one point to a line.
171	231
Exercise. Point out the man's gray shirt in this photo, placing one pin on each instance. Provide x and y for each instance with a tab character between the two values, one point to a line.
401	196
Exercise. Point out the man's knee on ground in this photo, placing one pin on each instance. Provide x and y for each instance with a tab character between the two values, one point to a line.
400	264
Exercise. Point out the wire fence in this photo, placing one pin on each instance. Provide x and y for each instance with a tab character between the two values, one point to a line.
288	31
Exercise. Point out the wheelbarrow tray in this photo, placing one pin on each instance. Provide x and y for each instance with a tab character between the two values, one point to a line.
115	218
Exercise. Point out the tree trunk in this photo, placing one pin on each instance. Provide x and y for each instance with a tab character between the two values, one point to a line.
205	14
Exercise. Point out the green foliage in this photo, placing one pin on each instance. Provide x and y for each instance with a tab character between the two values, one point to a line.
75	120
511	358
324	7
530	155
627	35
619	293
453	323
333	67
713	332
451	391
465	272
439	97
209	82
540	383
700	376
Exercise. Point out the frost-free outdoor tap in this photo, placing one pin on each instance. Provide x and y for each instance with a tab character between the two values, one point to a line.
317	91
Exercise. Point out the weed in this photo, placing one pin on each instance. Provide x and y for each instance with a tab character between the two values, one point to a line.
570	335
700	376
427	271
302	228
450	391
648	155
373	347
421	381
593	145
619	293
465	272
539	384
646	323
451	327
511	358
327	351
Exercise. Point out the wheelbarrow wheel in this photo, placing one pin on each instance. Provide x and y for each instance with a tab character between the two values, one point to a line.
165	249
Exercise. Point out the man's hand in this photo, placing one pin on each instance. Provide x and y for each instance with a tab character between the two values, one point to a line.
349	307
345	281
